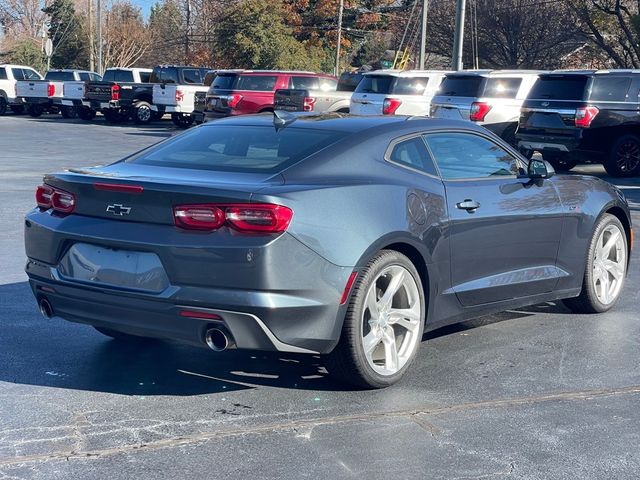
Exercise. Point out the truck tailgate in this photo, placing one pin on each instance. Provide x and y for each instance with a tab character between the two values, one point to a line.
39	89
164	94
73	90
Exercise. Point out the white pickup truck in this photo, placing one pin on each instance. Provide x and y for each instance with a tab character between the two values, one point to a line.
178	99
51	95
10	75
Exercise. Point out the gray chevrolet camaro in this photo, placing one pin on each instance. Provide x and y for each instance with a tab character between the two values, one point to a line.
334	235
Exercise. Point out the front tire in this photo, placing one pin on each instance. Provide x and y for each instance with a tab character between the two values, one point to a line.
115	117
68	112
35	110
87	114
182	120
383	325
605	270
624	157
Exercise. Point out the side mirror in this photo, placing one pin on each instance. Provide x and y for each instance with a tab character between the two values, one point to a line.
540	169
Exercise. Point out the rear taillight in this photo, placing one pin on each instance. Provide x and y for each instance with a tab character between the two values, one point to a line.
390	105
179	95
585	115
479	111
51	90
308	103
115	92
59	200
251	218
233	100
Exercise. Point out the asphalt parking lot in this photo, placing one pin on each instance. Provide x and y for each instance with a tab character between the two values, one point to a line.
537	393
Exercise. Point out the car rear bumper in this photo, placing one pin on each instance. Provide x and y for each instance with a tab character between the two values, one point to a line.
290	307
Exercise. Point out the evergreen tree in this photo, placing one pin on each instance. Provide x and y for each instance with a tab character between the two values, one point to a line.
70	46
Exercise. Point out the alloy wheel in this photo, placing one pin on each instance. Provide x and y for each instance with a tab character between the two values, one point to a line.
609	264
628	156
391	320
144	113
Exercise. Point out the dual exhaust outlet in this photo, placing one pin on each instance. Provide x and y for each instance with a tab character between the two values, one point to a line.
217	339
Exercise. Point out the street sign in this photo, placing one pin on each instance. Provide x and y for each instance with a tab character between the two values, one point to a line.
48	47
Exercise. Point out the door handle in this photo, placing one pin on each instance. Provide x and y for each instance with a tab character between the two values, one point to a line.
469	205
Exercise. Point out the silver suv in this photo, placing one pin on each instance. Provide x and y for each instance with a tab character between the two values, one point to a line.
395	92
491	98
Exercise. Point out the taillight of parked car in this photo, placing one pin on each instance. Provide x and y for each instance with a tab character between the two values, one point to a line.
179	95
390	105
250	218
51	90
585	115
479	111
233	100
60	201
308	103
115	92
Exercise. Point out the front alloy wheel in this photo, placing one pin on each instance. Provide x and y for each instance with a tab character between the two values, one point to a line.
606	268
383	325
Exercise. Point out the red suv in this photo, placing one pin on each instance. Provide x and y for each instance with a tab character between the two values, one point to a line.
238	92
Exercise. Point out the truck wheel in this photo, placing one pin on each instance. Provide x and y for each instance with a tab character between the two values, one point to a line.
182	120
142	113
114	117
624	157
68	112
86	113
35	110
3	105
560	162
17	109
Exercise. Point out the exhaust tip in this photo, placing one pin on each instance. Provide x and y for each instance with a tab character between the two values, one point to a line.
217	339
45	308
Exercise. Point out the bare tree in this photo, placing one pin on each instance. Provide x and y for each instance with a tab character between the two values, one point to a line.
125	36
22	18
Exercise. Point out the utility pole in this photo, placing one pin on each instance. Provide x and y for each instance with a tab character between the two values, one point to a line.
456	60
186	38
337	68
99	31
91	38
423	33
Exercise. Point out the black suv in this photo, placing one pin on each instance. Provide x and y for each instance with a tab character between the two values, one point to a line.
584	115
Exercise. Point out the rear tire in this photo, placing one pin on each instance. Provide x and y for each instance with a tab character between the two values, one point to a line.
35	110
142	113
382	330
182	120
123	337
624	157
68	112
605	268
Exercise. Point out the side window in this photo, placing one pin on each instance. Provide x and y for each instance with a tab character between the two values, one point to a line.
259	83
169	75
309	83
464	155
145	77
94	77
3	73
18	73
610	89
84	76
414	154
192	76
502	87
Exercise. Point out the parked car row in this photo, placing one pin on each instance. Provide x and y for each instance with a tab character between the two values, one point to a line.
568	116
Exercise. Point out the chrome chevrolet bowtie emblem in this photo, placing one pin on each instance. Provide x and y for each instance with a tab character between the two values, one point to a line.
118	209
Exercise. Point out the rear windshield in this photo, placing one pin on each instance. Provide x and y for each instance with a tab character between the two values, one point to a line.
224	82
349	81
610	89
501	87
192	76
567	87
250	149
60	76
118	76
459	86
375	84
410	86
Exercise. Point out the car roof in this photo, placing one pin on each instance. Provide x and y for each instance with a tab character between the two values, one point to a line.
621	71
495	73
274	72
349	123
130	69
12	65
406	73
77	70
